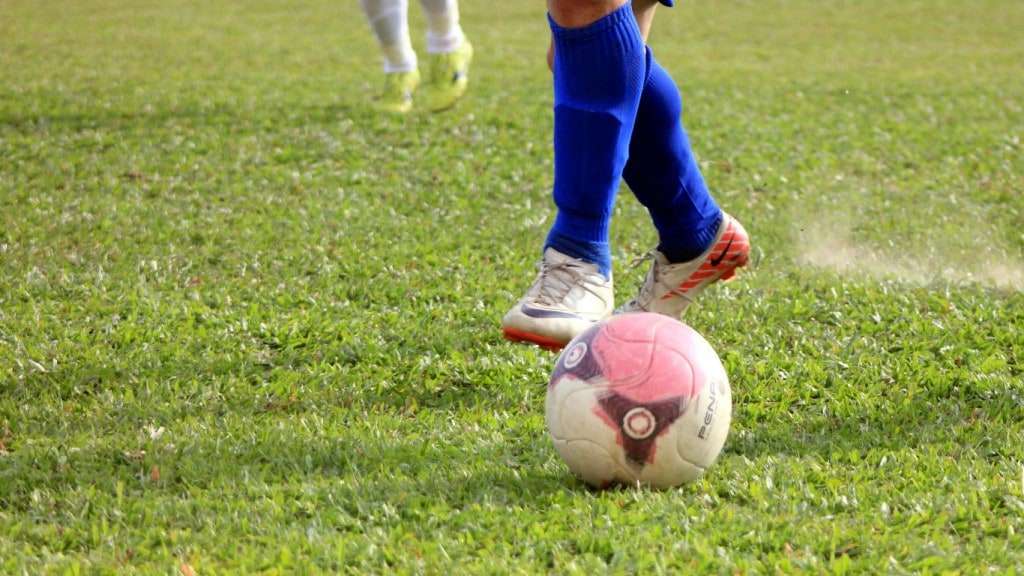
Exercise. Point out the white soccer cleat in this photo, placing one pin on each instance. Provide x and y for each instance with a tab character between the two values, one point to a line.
567	297
670	288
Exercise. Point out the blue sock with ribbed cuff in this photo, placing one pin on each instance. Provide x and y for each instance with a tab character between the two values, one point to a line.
598	75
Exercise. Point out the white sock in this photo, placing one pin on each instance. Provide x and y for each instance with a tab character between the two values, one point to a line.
443	31
390	22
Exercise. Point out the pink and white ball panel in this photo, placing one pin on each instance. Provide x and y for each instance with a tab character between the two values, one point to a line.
639	398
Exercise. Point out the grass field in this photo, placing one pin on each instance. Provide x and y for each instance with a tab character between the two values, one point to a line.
247	325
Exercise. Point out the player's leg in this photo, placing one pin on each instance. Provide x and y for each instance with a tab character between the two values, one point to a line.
598	75
389	20
698	243
643	11
450	55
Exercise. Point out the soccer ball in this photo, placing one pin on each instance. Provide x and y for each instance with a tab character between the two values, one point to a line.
639	399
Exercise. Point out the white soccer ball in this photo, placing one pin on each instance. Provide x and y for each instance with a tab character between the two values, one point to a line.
639	399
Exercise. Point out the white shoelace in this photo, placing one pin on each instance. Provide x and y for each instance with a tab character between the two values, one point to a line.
646	295
649	281
557	280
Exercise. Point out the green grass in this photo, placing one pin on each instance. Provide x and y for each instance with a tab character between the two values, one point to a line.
247	325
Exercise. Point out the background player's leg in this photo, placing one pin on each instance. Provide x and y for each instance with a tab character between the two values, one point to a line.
390	22
450	55
444	34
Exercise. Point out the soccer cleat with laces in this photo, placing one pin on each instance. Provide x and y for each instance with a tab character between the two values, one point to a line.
669	288
396	96
567	297
447	78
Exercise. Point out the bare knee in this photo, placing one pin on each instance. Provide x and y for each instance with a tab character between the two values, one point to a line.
578	13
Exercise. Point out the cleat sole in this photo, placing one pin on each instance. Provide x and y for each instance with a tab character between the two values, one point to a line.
530	338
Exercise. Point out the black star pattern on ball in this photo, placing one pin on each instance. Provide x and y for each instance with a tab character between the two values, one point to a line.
578	359
665	412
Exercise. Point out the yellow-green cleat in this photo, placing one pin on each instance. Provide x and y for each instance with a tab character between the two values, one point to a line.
396	97
448	78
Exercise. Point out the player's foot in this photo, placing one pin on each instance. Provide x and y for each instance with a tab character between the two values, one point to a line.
396	95
670	288
567	297
447	78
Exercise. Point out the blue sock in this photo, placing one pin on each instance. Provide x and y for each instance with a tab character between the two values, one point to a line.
664	175
598	75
